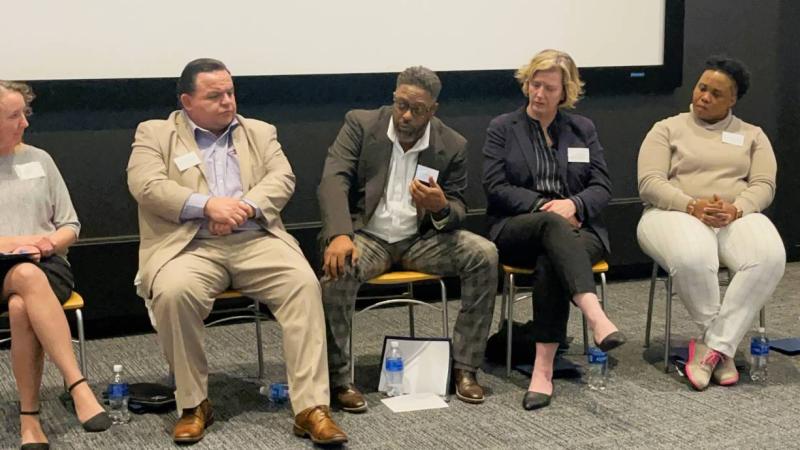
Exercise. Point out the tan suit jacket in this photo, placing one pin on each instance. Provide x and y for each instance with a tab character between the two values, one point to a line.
161	189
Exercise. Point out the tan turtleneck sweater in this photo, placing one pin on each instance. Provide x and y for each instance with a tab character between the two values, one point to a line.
684	158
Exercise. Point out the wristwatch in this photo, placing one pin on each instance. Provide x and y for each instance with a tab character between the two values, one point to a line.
442	213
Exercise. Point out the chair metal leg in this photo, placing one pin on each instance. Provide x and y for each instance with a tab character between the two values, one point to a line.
509	319
352	356
653	279
668	324
445	322
504	299
411	311
260	349
603	287
81	342
585	335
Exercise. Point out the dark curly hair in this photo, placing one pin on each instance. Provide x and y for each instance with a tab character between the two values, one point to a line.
734	69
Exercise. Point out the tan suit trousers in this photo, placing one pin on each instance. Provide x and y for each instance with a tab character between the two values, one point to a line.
261	267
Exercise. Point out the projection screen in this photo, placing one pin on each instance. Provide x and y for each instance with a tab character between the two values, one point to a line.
121	39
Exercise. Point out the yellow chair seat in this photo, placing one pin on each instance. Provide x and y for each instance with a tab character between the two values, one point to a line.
600	267
229	294
401	277
75	301
517	270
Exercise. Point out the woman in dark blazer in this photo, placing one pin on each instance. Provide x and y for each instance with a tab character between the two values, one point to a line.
546	183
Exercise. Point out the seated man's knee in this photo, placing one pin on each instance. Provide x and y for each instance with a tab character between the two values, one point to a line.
480	252
170	294
488	254
306	279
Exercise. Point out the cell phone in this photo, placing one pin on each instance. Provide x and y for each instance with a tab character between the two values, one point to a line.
423	174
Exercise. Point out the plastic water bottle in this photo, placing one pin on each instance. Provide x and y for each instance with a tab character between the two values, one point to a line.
596	370
759	354
394	370
118	397
279	394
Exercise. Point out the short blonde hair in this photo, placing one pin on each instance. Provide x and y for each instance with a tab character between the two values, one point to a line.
549	59
23	89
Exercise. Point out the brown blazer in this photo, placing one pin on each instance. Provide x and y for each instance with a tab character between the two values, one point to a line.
357	166
161	189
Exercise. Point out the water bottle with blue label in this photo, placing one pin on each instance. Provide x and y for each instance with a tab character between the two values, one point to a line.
279	393
596	369
759	354
394	370
118	398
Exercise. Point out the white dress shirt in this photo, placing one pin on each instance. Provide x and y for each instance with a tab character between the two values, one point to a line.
395	217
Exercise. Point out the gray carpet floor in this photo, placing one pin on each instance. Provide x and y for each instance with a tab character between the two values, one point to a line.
642	407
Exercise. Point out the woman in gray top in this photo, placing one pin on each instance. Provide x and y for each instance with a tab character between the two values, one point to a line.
37	218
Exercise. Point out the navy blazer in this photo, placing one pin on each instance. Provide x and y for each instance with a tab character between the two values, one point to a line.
509	168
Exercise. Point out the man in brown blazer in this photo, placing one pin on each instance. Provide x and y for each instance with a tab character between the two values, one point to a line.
210	186
392	194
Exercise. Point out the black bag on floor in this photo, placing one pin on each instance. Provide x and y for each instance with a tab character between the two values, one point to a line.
149	398
523	349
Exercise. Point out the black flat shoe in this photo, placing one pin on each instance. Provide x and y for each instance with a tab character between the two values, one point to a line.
99	422
33	445
612	341
535	400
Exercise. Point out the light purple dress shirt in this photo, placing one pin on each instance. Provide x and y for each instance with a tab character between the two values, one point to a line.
223	175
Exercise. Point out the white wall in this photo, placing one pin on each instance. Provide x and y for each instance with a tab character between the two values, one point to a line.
92	39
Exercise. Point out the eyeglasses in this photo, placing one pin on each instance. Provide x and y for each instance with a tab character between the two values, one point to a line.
417	109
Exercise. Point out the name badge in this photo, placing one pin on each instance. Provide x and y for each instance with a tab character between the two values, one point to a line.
424	174
733	138
29	170
188	160
578	155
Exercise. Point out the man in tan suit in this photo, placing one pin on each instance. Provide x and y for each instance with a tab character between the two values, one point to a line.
210	186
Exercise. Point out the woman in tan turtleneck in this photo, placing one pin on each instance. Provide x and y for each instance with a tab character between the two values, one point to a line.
705	176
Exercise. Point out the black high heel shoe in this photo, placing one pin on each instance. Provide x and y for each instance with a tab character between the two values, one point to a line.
612	341
535	400
33	445
99	422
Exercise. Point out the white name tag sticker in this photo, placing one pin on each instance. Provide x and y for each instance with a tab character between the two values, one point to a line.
188	160
578	154
733	138
29	170
426	173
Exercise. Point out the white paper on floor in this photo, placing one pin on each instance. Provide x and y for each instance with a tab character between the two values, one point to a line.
414	402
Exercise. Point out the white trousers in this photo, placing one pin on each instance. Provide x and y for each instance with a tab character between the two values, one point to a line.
750	248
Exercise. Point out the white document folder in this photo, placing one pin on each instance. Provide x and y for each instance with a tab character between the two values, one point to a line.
426	364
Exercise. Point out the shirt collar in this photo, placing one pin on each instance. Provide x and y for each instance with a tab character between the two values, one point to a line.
720	125
552	129
195	129
421	144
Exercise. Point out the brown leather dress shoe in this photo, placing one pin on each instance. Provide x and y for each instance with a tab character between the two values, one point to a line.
349	399
191	427
467	387
316	423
